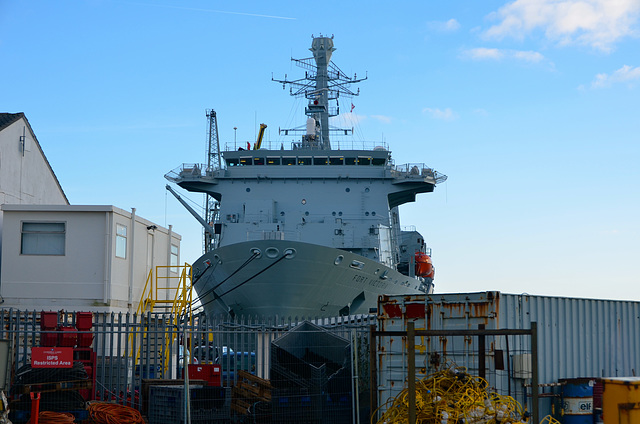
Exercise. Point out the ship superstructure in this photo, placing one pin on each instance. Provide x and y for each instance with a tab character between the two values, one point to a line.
310	229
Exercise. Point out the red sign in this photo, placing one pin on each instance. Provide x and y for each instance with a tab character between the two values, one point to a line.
51	357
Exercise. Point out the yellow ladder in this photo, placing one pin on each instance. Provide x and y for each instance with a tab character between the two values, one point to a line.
169	290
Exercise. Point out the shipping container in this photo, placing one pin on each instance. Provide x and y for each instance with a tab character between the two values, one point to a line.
577	338
621	400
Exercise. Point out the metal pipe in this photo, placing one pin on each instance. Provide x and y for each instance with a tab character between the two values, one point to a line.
411	358
108	246
168	269
534	371
131	263
482	369
355	399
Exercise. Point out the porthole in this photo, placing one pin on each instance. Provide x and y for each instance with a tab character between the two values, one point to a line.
304	201
347	189
290	253
248	189
366	214
271	252
338	260
333	213
255	251
306	213
373	213
339	213
366	190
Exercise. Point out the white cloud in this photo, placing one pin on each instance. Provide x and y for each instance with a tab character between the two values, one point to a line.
626	74
483	53
595	23
444	115
449	26
481	112
528	56
382	118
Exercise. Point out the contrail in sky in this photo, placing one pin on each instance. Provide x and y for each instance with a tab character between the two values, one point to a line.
212	11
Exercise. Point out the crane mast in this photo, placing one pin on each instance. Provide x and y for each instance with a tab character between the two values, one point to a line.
213	160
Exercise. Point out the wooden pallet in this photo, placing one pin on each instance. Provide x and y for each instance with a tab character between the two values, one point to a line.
57	386
249	390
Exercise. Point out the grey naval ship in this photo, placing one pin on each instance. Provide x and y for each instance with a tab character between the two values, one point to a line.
311	229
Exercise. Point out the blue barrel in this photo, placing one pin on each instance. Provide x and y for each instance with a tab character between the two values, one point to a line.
577	400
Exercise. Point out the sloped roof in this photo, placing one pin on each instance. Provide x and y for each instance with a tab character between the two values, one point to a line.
7	119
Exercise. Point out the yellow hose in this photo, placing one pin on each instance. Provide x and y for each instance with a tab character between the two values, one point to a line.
452	394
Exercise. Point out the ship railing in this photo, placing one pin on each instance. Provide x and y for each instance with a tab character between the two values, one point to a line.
418	171
296	145
189	171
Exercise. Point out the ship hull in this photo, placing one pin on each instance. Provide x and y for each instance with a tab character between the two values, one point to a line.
286	278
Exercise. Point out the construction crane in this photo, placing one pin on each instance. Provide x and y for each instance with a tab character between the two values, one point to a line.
213	160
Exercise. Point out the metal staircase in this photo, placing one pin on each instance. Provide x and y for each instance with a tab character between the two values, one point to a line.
169	292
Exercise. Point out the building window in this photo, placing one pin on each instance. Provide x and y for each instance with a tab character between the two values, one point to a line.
43	238
174	258
121	241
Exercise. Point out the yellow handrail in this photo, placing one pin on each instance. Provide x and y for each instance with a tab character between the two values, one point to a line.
180	302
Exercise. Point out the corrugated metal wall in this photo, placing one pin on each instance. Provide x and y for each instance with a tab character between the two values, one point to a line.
577	337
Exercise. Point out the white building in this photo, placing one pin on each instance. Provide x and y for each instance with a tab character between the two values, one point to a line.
80	257
59	256
26	176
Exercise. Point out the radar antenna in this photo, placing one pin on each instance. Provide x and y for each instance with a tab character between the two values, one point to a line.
323	82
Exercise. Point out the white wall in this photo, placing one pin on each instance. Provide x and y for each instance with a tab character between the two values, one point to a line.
25	174
89	276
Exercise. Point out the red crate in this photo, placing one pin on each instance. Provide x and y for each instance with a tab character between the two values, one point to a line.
48	320
48	339
85	340
67	336
84	321
211	373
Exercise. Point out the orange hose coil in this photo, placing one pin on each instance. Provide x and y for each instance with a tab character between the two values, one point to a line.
112	413
50	417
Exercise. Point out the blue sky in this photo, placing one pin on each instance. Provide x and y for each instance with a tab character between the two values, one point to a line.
530	107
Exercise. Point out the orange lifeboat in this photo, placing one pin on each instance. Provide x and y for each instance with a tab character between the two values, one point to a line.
424	266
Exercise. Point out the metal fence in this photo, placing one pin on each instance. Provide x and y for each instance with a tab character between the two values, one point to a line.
266	369
133	359
424	367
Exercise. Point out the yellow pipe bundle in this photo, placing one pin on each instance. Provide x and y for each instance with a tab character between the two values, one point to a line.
452	396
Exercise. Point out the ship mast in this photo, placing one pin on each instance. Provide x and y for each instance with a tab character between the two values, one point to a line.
322	85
